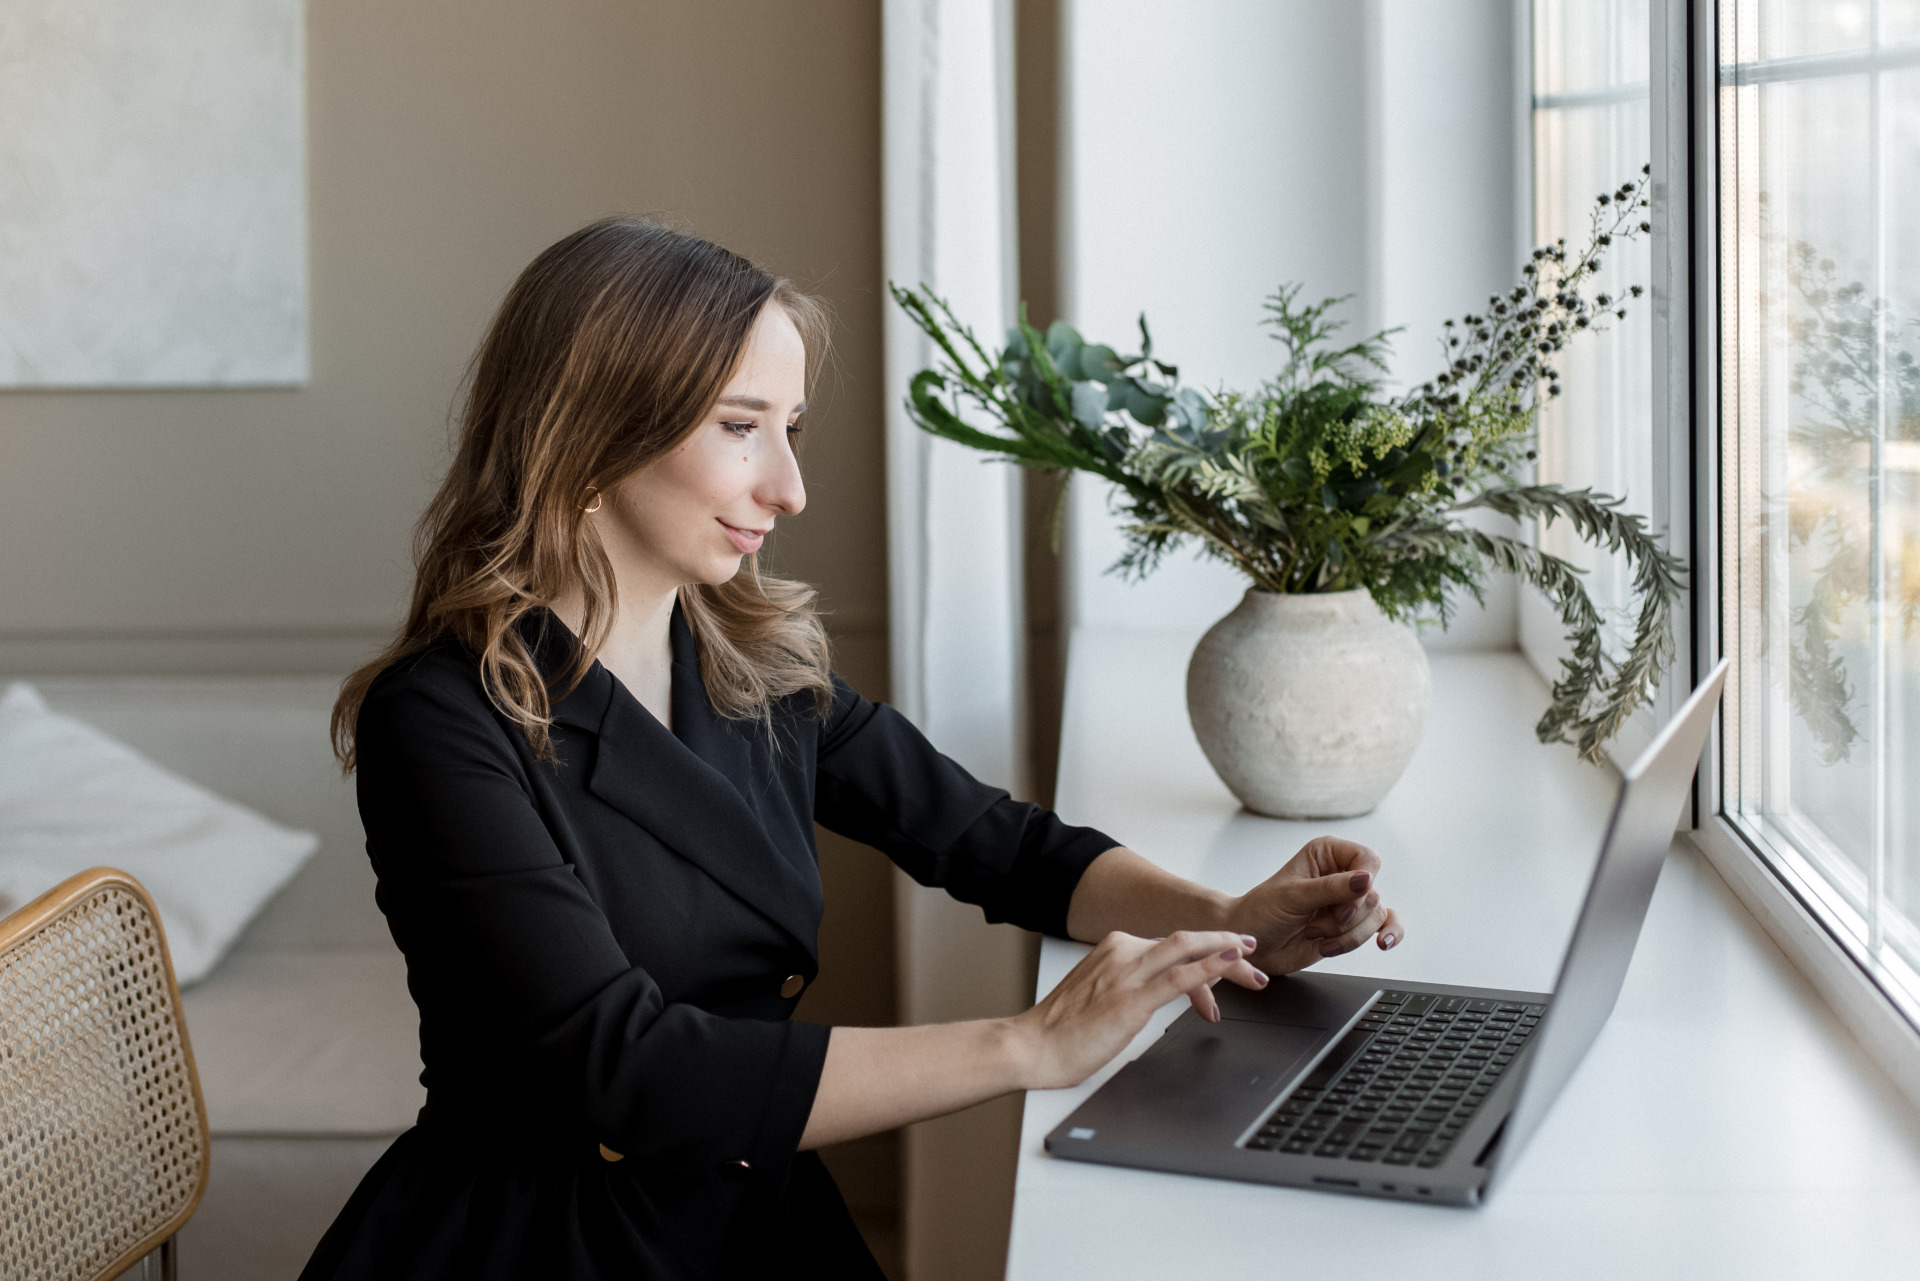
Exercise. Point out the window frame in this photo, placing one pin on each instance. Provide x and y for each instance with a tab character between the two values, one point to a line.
1684	117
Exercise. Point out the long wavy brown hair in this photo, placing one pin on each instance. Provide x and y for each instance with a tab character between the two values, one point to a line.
609	349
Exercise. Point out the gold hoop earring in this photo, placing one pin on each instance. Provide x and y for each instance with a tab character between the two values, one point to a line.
592	505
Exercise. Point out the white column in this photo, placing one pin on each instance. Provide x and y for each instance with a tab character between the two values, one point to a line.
1448	156
1213	152
954	545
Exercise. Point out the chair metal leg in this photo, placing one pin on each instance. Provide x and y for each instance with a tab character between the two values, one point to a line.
167	1256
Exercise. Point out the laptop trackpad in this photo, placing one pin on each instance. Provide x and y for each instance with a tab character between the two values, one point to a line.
1201	1086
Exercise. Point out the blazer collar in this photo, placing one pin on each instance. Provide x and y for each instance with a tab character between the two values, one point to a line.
685	785
554	646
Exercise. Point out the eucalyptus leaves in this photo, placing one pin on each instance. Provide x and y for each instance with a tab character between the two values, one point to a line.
1318	481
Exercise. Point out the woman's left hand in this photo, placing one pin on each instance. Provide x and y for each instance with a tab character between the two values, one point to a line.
1322	903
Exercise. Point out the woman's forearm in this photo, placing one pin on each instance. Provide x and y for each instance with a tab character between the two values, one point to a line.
1157	936
1125	891
879	1078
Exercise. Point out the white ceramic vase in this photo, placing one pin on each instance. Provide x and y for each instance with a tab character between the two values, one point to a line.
1308	706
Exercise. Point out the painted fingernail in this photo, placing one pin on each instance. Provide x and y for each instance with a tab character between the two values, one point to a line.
1231	954
1359	881
1388	940
1249	942
1331	948
1345	914
1261	979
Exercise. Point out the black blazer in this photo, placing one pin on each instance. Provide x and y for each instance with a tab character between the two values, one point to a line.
604	949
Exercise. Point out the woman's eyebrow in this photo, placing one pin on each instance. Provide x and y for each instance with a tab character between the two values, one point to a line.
756	404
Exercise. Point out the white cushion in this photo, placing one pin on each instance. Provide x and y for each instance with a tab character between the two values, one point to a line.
72	798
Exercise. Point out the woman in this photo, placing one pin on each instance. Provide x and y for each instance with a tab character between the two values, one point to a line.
589	769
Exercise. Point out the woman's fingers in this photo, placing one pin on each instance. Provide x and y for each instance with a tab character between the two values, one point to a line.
1190	960
1359	930
1328	854
1107	998
1188	947
1193	977
1329	922
1330	893
1390	930
1123	948
1244	973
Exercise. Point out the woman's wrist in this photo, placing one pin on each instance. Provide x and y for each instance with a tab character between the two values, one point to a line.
1020	1047
1124	891
1230	914
1222	910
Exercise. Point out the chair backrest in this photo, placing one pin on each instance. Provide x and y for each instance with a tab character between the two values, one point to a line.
103	1133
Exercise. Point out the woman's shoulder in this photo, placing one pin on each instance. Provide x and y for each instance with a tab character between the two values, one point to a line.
847	713
443	668
803	716
438	686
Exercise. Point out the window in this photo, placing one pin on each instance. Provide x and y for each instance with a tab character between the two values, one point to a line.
1590	134
1818	118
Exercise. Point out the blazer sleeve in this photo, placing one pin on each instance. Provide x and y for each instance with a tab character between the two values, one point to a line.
487	907
882	783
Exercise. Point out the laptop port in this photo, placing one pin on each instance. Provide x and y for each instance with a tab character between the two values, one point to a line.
1424	1191
1338	1183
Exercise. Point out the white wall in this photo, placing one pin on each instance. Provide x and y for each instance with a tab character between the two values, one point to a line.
268	530
1214	151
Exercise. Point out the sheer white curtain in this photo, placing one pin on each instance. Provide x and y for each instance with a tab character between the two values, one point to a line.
953	554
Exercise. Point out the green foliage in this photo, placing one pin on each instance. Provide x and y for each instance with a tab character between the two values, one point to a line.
1318	481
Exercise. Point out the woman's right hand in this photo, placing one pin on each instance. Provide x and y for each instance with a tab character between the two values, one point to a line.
1106	999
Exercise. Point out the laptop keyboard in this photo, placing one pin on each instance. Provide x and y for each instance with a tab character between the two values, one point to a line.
1402	1085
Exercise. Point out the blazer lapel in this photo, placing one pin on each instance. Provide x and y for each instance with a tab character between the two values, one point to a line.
680	791
726	745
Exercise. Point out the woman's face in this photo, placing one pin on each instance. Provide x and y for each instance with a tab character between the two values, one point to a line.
691	516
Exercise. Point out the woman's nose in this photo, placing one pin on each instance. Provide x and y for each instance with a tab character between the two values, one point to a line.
781	488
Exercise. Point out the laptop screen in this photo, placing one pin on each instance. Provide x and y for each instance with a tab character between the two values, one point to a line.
1652	794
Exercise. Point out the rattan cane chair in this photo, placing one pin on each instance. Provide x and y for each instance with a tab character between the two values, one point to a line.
103	1134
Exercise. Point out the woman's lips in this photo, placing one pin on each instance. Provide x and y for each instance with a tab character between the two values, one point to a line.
747	540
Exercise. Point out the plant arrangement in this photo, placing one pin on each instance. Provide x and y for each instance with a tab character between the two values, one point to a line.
1320	481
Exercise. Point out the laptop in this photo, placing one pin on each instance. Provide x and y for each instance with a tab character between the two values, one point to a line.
1415	1091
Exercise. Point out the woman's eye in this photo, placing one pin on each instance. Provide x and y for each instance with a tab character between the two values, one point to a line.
793	429
740	429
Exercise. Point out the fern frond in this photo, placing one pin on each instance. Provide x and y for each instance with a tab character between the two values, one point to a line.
1594	696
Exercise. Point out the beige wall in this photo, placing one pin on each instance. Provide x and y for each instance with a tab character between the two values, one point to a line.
220	531
448	143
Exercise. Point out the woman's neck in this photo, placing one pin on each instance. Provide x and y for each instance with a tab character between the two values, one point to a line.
639	646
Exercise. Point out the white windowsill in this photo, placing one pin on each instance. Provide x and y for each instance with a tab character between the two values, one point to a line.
1725	1123
1866	1010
